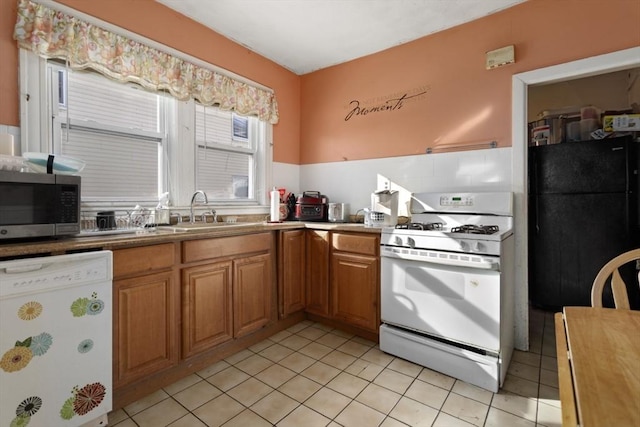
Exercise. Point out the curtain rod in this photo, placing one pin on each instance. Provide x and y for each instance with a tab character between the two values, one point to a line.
151	43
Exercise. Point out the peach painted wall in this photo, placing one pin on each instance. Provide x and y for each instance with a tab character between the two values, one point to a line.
157	22
9	110
463	103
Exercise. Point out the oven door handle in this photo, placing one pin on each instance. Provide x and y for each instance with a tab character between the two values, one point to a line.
468	260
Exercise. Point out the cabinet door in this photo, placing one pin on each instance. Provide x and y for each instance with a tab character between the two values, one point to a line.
145	319
317	272
354	289
252	291
291	261
206	307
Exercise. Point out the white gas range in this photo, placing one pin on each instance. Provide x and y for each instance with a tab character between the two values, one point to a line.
447	286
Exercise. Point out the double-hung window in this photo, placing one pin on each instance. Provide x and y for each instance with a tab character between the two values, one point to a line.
227	154
139	144
118	130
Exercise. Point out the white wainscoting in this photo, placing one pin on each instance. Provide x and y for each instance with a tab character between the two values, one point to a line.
286	175
11	130
353	181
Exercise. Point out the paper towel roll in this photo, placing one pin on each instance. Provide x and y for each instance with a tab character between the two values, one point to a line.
8	146
274	211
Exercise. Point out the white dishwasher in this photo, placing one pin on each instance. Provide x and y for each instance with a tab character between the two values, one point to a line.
55	340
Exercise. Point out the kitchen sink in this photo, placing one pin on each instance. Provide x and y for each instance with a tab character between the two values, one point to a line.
204	226
94	233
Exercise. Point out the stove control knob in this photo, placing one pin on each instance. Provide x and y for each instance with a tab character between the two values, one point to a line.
398	241
478	247
411	243
464	246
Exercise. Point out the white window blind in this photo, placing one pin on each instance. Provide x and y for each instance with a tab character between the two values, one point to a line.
119	167
93	97
118	130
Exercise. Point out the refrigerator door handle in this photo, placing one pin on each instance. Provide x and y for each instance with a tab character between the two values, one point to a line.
537	216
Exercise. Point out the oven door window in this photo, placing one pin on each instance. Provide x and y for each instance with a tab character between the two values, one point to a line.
456	303
25	204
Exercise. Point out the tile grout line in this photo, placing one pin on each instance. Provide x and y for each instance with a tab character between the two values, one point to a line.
296	373
387	366
344	370
352	338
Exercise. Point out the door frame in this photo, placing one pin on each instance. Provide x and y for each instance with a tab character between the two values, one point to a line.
601	64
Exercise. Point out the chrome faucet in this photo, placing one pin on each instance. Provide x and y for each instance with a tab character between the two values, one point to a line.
193	201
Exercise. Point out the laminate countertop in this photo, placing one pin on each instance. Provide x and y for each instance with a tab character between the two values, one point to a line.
20	248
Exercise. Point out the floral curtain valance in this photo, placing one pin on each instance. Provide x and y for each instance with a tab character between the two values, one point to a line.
53	34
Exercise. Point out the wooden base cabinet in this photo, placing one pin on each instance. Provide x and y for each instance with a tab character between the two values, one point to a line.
291	272
317	272
181	306
354	294
342	275
252	290
228	293
206	307
355	280
145	312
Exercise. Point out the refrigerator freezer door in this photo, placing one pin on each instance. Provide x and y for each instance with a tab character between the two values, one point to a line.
583	167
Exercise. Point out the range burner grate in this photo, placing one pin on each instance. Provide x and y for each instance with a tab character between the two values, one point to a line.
421	226
476	229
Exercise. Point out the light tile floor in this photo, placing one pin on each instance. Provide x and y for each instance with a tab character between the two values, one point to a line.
313	375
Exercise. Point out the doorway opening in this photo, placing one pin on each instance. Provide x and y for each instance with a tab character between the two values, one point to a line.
601	64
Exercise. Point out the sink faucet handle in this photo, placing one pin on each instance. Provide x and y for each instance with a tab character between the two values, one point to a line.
211	213
177	216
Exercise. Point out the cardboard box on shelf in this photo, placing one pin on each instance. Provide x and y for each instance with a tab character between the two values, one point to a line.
550	129
621	122
539	135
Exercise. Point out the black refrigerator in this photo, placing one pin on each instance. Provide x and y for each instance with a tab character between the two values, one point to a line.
583	211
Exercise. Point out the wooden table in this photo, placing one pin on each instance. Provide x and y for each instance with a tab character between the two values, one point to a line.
599	366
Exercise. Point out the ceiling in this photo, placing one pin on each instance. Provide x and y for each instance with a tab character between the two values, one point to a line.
308	35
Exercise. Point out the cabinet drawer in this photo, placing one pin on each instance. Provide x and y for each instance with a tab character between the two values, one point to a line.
198	250
143	259
355	243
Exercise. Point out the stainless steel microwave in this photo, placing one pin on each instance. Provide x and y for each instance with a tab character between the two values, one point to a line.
38	205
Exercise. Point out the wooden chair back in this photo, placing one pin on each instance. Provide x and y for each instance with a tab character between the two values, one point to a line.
618	287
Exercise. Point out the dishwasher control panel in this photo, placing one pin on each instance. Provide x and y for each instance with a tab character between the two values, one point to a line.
59	271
